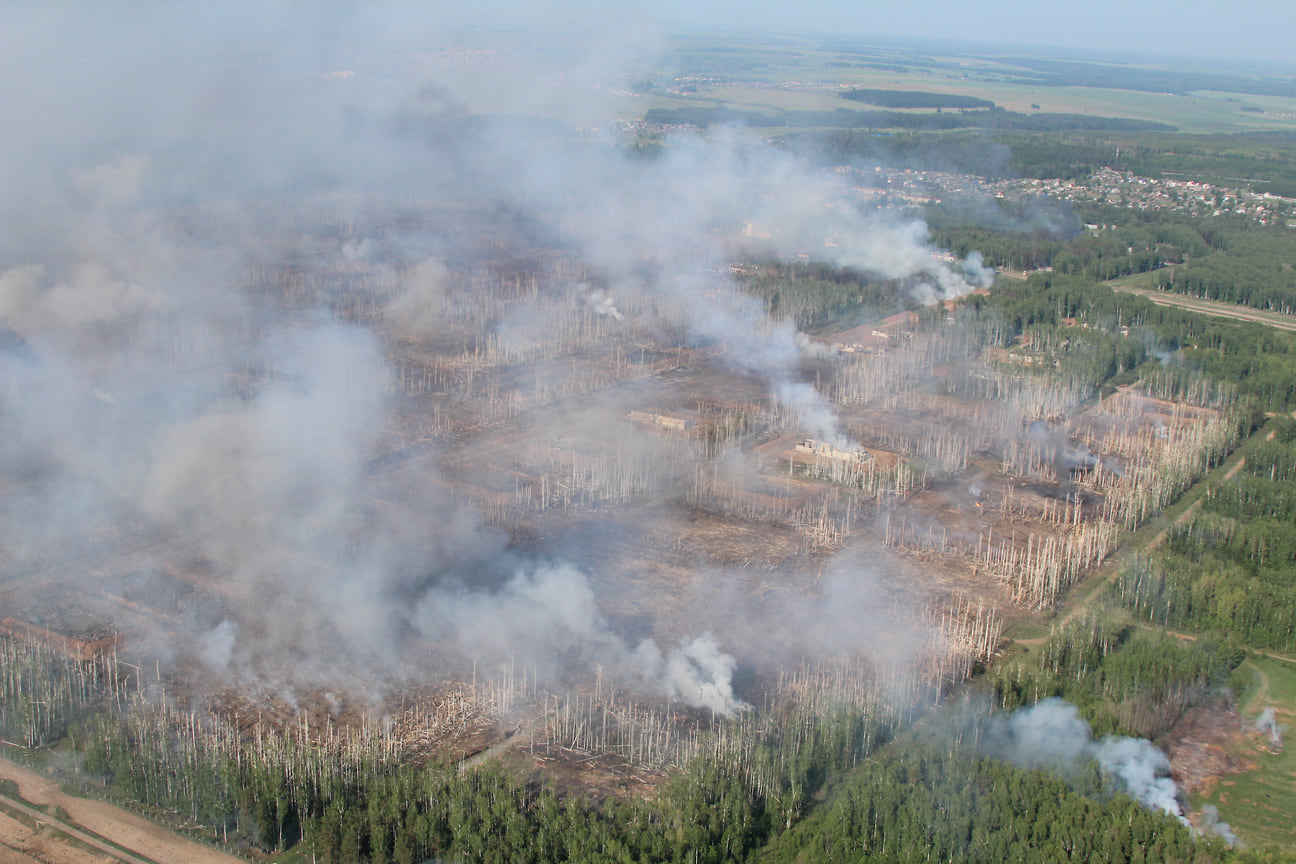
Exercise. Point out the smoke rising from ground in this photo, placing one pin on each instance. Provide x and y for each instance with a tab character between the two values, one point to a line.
147	396
1052	735
1210	824
1267	724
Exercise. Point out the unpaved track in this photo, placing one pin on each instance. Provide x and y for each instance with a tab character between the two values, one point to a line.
148	841
24	844
44	820
1109	570
1214	308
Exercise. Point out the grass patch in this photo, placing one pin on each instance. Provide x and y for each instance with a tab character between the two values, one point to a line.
298	854
1146	280
1260	801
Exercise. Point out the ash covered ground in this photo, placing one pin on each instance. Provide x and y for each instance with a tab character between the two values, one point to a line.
357	360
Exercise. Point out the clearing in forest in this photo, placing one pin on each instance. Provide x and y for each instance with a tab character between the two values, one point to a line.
1258	801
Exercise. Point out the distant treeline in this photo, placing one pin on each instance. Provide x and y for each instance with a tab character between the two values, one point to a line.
1258	360
915	99
1267	160
1071	73
1227	258
844	118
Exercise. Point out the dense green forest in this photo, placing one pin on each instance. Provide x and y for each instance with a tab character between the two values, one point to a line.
839	793
815	295
1267	160
928	802
1124	680
1227	258
914	99
1232	567
1259	361
845	118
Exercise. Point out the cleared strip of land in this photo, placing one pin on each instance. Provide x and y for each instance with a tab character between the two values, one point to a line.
1215	308
150	842
44	819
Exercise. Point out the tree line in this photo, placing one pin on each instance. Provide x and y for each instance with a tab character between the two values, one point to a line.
845	118
1232	567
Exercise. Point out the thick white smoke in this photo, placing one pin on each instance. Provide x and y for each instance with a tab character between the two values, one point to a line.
551	612
1053	735
697	673
1143	770
153	401
656	227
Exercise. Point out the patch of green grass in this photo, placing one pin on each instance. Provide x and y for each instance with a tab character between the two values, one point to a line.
1136	280
1028	630
299	854
1259	802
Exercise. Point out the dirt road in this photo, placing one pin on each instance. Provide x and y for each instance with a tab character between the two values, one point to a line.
91	823
1109	571
1215	308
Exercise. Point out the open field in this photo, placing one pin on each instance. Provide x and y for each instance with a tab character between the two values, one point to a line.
1193	114
1258	800
805	76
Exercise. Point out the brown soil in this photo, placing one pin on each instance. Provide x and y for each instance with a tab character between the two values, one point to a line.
576	772
149	841
21	843
1203	745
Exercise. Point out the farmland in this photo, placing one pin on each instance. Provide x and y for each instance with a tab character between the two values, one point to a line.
813	76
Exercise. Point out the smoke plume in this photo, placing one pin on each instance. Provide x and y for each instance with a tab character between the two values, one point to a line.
1267	724
1053	735
163	413
1210	824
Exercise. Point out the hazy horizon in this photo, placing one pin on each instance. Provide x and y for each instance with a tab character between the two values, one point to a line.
1246	34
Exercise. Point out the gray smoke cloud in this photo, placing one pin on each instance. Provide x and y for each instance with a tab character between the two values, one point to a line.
1210	824
160	412
551	612
1053	735
1267	724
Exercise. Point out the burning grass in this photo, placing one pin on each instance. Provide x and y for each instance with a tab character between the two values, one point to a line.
1255	789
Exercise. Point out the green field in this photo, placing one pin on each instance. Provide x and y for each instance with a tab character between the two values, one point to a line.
1146	281
1260	803
792	76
